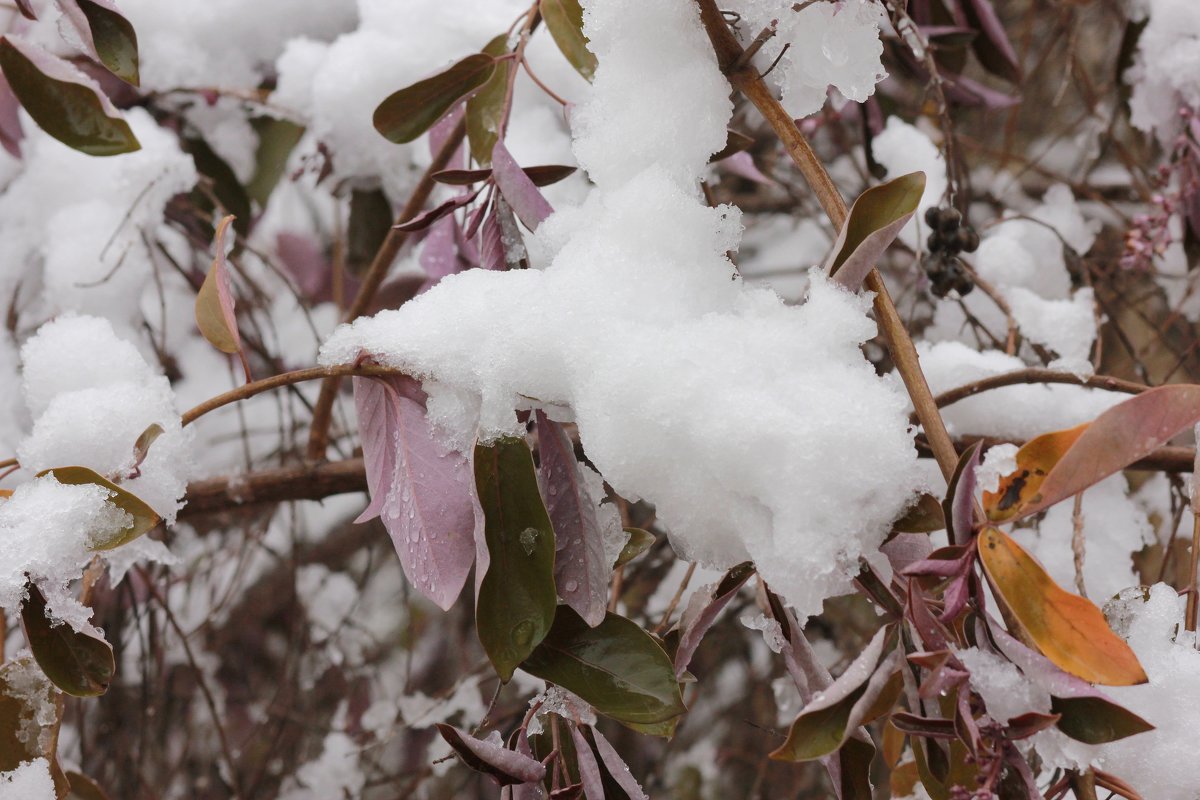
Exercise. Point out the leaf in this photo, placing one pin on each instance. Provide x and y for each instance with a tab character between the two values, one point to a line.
84	788
506	767
520	192
874	220
702	610
639	542
959	506
11	133
276	140
26	9
485	108
214	302
226	187
564	18
427	218
866	690
23	688
141	448
1058	465
78	663
419	489
617	767
542	175
1096	720
993	49
1068	629
925	516
850	768
106	34
616	667
589	770
63	101
742	165
735	142
144	517
406	114
580	568
516	601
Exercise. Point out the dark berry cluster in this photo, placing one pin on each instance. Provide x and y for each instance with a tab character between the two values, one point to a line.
949	237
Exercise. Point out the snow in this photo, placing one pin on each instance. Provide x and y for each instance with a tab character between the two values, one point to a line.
1166	70
700	405
29	781
832	44
902	148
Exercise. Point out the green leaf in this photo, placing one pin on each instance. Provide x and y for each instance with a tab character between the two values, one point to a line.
145	518
616	667
225	185
1095	720
485	108
78	663
63	101
113	39
872	224
411	111
516	599
639	542
564	18
276	140
924	517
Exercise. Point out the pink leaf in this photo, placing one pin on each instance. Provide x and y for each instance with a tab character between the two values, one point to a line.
960	508
589	770
520	192
422	492
742	165
702	610
439	253
304	259
505	766
580	571
11	133
427	218
617	767
215	316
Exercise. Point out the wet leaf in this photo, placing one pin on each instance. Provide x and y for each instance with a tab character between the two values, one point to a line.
522	195
63	101
214	302
420	490
406	114
616	667
639	542
506	767
564	18
1069	630
702	610
485	108
1058	465
106	34
78	663
1096	720
516	600
144	518
580	568
589	769
865	691
873	222
617	768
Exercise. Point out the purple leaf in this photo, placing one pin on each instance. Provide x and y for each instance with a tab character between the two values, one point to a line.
933	635
528	791
960	498
520	192
304	259
26	9
422	492
905	549
505	766
993	49
973	93
105	35
945	562
702	610
580	571
427	218
491	243
617	767
742	165
589	770
439	253
441	131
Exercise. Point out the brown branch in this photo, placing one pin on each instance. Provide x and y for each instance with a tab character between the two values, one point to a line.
307	482
904	353
1031	376
380	265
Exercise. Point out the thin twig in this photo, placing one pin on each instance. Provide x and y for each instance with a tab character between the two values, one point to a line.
1078	544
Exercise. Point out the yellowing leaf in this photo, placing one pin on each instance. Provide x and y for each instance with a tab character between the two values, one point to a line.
1069	630
485	108
144	517
1034	461
214	302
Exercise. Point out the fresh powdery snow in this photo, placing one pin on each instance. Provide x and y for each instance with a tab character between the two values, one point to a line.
757	429
29	781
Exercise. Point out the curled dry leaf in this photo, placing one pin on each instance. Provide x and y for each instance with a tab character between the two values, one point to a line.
702	610
1069	630
214	302
63	101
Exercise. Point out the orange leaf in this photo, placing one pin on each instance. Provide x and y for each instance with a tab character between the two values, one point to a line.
1034	462
1069	630
1064	463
